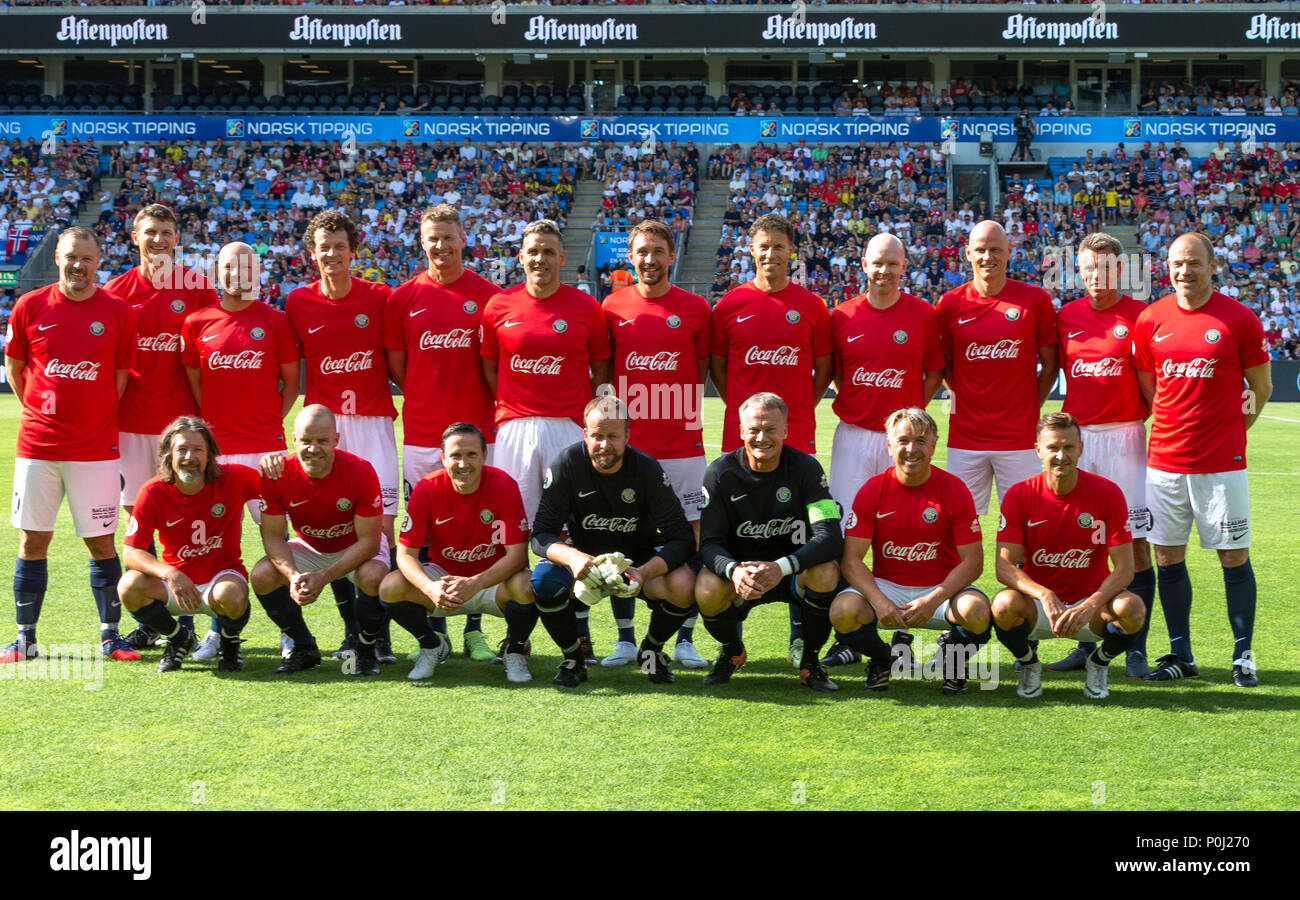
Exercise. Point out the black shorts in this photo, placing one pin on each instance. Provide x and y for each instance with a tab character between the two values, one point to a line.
786	591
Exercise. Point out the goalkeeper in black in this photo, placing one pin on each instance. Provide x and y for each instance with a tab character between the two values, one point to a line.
769	532
613	499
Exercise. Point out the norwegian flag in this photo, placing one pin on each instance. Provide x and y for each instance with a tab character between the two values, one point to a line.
16	240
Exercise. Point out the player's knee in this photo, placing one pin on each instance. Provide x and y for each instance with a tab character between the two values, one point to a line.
551	585
680	587
518	588
1170	556
1006	606
974	611
265	577
370	574
101	546
229	598
34	544
822	577
394	587
131	589
711	593
849	611
1231	559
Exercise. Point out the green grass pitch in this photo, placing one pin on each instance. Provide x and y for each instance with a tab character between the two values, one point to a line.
467	740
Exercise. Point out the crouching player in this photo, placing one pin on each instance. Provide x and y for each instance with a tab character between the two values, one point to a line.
1057	524
197	507
336	505
612	498
471	519
919	524
769	532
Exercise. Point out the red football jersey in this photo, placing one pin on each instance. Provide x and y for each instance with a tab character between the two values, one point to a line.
1101	383
882	356
465	533
437	326
543	349
199	532
1198	358
343	344
770	342
157	390
1066	539
322	509
658	345
72	351
993	343
239	355
914	531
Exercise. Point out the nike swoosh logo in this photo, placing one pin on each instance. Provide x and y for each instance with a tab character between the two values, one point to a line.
175	523
743	319
208	337
585	493
1039	522
314	330
416	312
507	323
627	322
297	503
47	327
885	515
852	339
964	321
443	521
738	497
1074	334
28	603
1157	338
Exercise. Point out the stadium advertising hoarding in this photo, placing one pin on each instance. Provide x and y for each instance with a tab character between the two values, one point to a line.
610	29
705	129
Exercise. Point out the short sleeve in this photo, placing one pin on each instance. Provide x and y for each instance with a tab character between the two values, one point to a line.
141	526
286	345
1011	523
16	345
933	347
860	522
965	523
821	331
272	501
415	525
703	332
718	328
512	513
189	345
1044	319
125	357
369	498
394	333
487	335
1249	332
598	348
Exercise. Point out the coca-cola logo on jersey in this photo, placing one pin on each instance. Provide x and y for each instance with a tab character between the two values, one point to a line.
769	529
473	554
926	551
1193	368
1098	368
781	356
543	365
885	378
663	361
625	524
1004	349
244	359
78	371
159	343
190	551
456	339
334	531
361	361
1070	559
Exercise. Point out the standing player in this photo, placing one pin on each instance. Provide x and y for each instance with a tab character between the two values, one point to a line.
1193	348
1101	391
660	339
338	322
68	351
768	335
242	363
1059	582
769	532
919	525
431	336
999	343
161	294
469	518
610	498
335	502
196	506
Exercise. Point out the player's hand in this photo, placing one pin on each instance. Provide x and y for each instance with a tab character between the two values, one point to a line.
443	598
635	577
187	595
1054	608
271	466
455	587
919	611
766	575
890	615
581	571
306	587
1074	619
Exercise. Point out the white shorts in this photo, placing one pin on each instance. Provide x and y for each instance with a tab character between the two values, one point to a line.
525	448
900	594
251	460
92	488
687	479
205	590
139	462
857	455
978	468
1219	503
308	559
371	438
1043	627
420	462
484	603
1118	451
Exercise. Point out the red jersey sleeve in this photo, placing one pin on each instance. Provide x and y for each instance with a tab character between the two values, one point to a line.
16	345
189	344
1045	320
718	328
704	335
942	317
861	520
126	340
249	482
1142	344
487	335
933	361
1011	524
141	526
394	335
516	523
821	332
286	343
415	527
1249	334
965	523
272	499
370	499
598	346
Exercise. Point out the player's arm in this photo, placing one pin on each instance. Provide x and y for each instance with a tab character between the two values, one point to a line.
196	383
1010	575
932	381
16	372
1048	359
367	530
548	526
718	372
823	368
969	566
122	376
141	531
704	369
714	528
396	366
274	530
490	374
853	566
513	560
1083	612
1259	387
408	563
1147	382
601	373
290	379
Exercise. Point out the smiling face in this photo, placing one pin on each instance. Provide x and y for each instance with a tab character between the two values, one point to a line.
884	262
988	253
189	459
542	255
652	258
77	258
443	243
332	253
763	430
606	439
1059	449
155	239
911	446
314	443
462	456
772	251
1191	269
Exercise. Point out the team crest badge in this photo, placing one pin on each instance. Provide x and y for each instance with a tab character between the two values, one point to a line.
673	321
546	481
218	510
1085	520
850	520
178	305
900	336
1012	314
485	516
257	334
782	494
560	326
97	328
344	504
792	317
930	514
469	307
1212	336
362	320
1121	331
628	495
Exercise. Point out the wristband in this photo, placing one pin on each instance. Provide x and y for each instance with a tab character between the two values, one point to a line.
786	565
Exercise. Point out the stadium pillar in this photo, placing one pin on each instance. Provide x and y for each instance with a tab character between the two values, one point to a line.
717	74
940	72
273	76
1273	73
493	74
53	75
